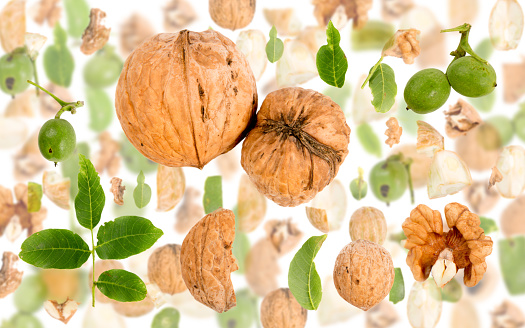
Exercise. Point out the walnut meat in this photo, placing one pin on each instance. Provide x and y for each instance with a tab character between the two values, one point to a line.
363	273
164	269
297	145
280	309
464	246
185	98
206	260
232	14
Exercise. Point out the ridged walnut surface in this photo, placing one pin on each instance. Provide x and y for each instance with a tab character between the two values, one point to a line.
297	145
363	273
185	98
164	269
280	309
206	260
232	14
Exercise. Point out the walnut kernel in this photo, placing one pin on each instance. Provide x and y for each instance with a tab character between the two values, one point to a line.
96	34
393	132
10	277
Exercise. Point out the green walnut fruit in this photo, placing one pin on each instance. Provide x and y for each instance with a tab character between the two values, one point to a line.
426	91
22	320
103	69
388	180
471	77
15	69
504	126
167	318
31	294
57	140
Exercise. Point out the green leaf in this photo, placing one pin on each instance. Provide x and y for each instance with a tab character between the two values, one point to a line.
34	197
142	193
100	108
369	139
77	13
512	263
452	291
384	88
55	249
121	285
240	248
58	60
488	225
90	199
303	280
372	36
274	47
126	236
243	315
212	199
339	95
331	60
397	292
167	318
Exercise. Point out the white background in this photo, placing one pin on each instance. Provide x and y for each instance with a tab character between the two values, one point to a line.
359	63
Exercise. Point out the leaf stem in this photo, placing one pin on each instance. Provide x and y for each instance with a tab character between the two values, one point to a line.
65	106
408	164
463	47
35	73
372	72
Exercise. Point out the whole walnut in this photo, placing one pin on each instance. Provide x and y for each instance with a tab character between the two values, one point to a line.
297	145
232	14
207	260
363	273
368	223
164	269
280	309
185	98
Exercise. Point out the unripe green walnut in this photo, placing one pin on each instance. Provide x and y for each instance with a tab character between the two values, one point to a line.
426	91
471	77
56	140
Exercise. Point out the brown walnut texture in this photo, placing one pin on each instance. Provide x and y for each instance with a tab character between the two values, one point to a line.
465	239
280	309
232	14
363	273
185	98
164	269
207	260
297	145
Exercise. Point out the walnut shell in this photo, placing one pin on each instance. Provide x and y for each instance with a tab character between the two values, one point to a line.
262	267
280	309
185	98
101	266
363	273
206	260
368	223
164	269
232	14
297	145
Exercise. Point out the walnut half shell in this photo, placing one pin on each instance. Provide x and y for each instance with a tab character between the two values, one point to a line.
207	260
297	145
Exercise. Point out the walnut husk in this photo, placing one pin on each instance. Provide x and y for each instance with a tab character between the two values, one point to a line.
10	276
297	145
164	269
363	273
280	309
466	240
232	14
185	98
206	260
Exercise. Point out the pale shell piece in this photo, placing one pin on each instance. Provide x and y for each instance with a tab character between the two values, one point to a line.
13	132
363	273
252	43
296	66
280	309
448	175
332	199
424	304
56	188
318	218
34	42
511	164
429	140
251	205
170	187
464	314
284	20
102	316
368	223
506	24
13	25
13	229
134	309
333	308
